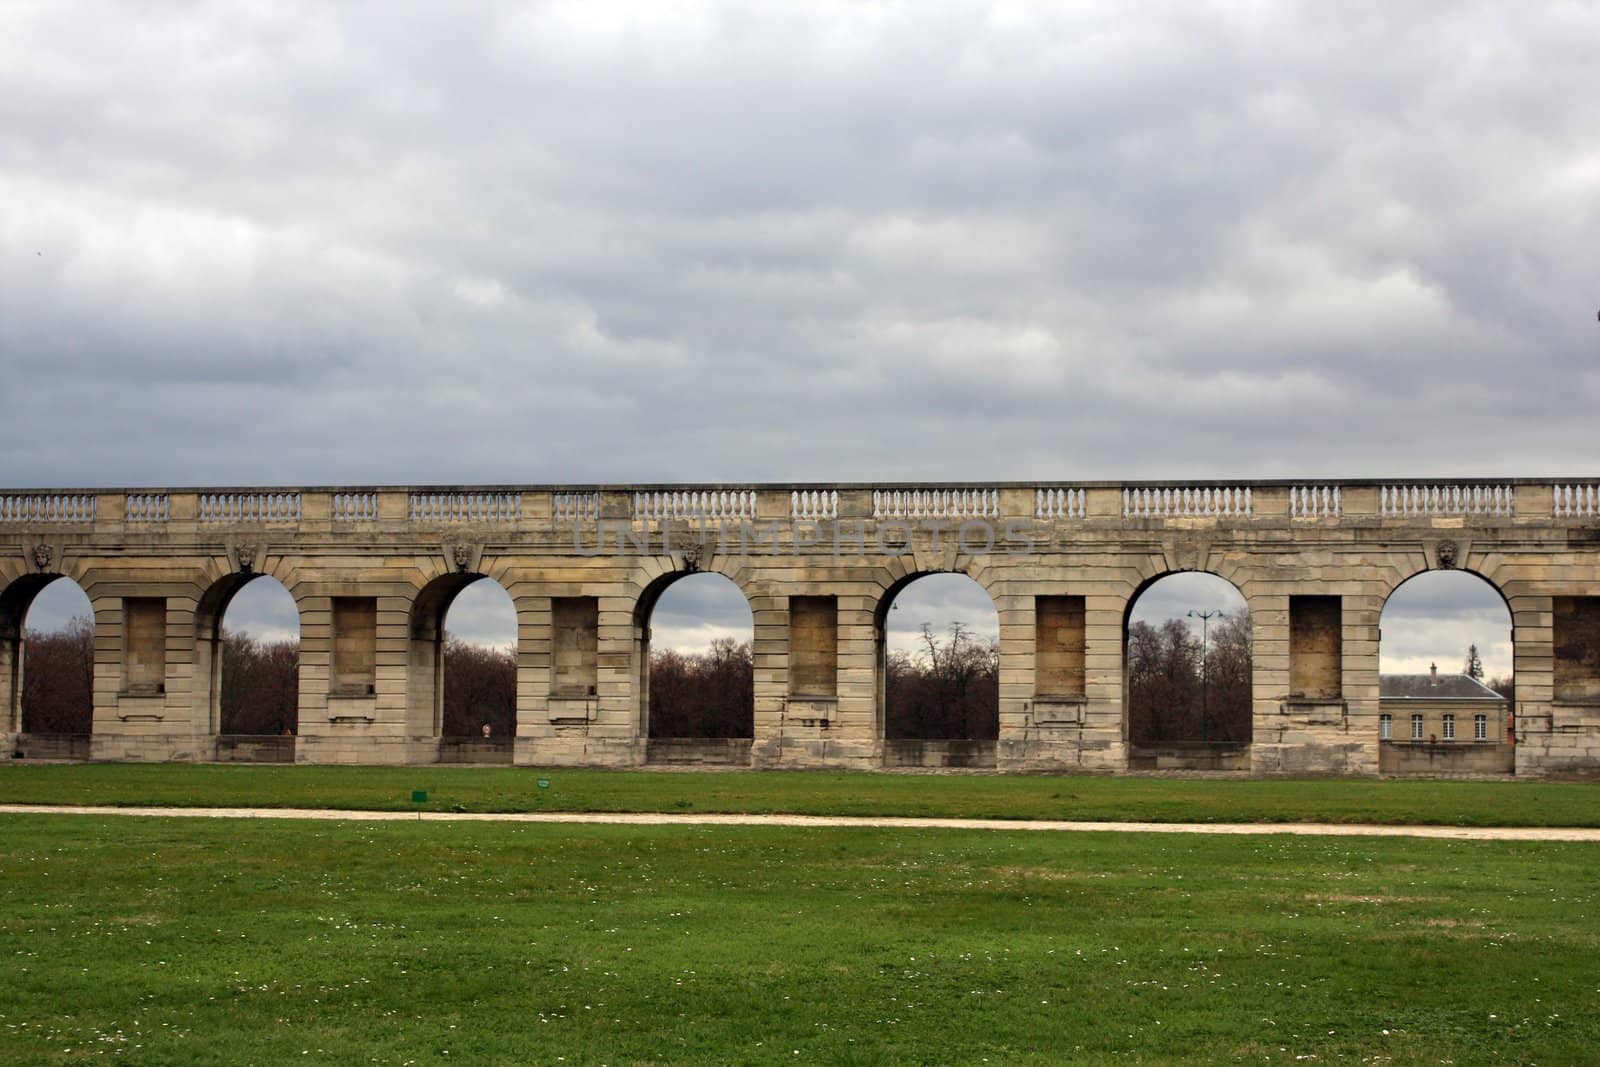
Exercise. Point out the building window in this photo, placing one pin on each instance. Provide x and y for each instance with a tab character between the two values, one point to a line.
1449	727
1416	727
1385	726
1480	727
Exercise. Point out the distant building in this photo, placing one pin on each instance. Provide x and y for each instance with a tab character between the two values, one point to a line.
1442	723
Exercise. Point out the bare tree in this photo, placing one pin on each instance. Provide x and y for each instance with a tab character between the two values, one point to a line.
58	679
260	685
948	690
708	694
1178	691
480	686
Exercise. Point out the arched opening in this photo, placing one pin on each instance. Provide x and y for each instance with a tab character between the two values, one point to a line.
1187	660
1446	690
47	648
697	675
464	668
938	638
247	648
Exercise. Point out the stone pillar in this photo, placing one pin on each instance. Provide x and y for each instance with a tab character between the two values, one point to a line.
1016	682
1541	744
1279	733
536	638
578	662
108	671
353	674
11	681
1103	740
1362	613
424	680
144	676
1049	656
623	714
769	649
856	737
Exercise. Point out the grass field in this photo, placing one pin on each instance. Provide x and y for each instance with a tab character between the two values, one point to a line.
816	793
177	942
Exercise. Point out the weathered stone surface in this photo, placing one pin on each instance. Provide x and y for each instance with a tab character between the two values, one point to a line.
373	571
1316	641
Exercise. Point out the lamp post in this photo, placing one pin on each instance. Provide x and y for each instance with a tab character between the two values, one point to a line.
1205	674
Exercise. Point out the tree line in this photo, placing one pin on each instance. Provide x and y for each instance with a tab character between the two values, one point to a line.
1175	694
703	694
947	689
58	679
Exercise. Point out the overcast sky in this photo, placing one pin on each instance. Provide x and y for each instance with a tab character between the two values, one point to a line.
310	243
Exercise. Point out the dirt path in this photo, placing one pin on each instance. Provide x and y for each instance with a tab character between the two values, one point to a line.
1466	833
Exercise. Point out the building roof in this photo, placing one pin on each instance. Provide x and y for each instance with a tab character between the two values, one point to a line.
1434	687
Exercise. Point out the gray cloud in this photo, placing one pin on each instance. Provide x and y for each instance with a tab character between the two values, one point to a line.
1184	241
939	601
483	614
1174	596
264	610
698	609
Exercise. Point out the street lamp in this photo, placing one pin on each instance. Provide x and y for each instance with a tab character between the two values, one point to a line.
1205	674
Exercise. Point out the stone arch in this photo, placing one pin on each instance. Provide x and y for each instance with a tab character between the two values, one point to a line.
1170	719
977	743
210	667
667	742
425	700
16	600
1437	720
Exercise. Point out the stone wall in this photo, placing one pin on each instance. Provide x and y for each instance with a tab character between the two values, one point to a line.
373	571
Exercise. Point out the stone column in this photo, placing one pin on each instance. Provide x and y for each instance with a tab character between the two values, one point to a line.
11	680
856	739
769	651
1541	747
1104	738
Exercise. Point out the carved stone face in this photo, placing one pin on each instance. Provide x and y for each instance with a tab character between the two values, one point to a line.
247	558
1447	554
43	556
462	555
692	555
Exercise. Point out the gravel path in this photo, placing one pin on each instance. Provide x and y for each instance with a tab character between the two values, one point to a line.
1465	833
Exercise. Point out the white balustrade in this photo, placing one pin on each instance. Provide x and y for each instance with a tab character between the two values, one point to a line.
1058	503
249	507
354	507
1314	501
1430	500
718	505
469	506
148	507
1182	502
935	503
1323	502
575	507
813	504
48	507
1577	501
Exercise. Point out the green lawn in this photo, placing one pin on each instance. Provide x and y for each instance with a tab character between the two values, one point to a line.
819	793
176	941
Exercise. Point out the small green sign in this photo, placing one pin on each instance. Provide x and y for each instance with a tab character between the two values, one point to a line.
419	796
544	783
